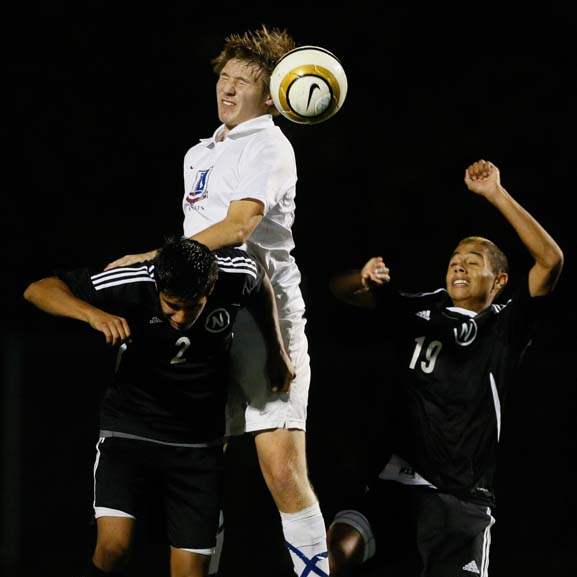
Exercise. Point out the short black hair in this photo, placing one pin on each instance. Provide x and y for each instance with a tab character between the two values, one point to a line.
497	259
185	269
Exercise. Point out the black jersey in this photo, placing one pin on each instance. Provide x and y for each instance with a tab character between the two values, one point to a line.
455	367
169	385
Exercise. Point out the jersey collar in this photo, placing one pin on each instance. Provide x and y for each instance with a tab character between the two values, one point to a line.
462	311
244	129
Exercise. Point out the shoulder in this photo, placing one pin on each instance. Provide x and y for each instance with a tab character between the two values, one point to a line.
272	141
130	277
196	149
233	261
437	296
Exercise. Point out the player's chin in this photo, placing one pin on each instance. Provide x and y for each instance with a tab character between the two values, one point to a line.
226	114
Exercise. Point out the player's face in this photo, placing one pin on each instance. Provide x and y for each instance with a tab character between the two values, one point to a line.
471	282
241	93
181	314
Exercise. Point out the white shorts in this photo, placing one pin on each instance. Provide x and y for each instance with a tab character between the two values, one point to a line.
252	406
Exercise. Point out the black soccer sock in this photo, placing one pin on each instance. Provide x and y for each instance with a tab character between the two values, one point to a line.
93	571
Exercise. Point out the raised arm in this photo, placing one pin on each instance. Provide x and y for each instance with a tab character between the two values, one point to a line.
356	287
53	296
483	178
263	307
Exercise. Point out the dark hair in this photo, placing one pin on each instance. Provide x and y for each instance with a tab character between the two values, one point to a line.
262	48
185	269
497	258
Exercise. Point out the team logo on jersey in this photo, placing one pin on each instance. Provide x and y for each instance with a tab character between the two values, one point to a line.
472	567
199	186
407	471
217	321
424	315
466	333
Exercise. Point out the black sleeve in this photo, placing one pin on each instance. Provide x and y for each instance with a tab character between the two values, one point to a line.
522	315
80	283
394	302
116	291
239	274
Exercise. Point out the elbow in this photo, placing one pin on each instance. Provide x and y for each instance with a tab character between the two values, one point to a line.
554	260
241	227
241	233
560	259
29	292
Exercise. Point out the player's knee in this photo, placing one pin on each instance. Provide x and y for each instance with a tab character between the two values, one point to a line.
285	478
346	548
110	554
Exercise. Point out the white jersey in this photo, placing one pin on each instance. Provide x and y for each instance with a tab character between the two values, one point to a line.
253	161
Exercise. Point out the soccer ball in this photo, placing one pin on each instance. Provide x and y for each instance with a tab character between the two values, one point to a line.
308	85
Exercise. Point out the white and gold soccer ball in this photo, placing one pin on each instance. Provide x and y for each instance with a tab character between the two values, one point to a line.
308	85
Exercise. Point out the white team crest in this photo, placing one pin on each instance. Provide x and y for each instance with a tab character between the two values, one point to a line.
199	187
466	333
424	315
217	321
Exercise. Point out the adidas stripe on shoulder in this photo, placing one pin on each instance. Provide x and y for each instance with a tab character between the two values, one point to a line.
237	264
122	275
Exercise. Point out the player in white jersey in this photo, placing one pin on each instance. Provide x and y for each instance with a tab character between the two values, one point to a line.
240	191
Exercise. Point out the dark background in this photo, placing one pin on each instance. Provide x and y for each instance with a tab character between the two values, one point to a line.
102	107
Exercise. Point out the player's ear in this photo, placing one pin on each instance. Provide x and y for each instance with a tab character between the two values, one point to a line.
501	280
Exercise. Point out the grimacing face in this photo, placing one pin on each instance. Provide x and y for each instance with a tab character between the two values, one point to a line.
241	93
181	314
471	282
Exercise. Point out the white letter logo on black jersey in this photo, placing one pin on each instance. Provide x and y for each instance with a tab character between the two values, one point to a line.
217	321
466	333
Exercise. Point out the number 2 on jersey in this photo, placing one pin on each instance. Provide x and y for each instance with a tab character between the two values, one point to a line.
431	354
183	343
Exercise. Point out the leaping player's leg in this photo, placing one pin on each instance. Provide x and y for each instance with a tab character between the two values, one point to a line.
278	421
282	459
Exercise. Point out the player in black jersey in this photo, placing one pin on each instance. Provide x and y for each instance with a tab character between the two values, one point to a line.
162	419
457	353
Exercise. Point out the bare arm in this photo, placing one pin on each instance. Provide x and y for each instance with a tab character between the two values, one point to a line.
356	287
279	366
241	219
483	178
53	296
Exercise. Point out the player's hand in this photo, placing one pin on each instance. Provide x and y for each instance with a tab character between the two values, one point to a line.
115	329
483	178
281	372
130	259
374	273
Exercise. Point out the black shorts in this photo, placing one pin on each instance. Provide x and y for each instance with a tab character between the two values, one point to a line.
420	526
186	481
